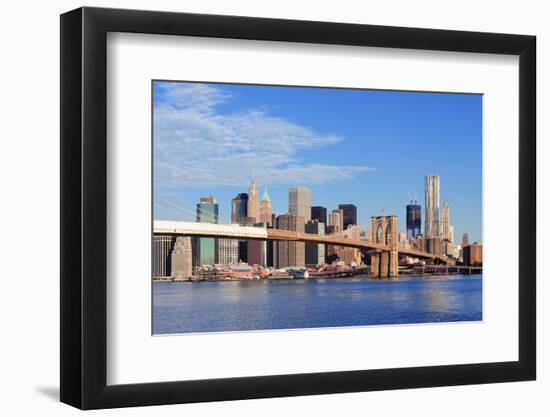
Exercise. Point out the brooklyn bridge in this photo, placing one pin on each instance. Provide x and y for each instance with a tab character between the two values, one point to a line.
382	244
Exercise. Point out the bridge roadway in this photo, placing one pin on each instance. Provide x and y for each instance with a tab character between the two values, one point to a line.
233	231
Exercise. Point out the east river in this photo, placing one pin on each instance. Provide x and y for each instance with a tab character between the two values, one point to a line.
293	304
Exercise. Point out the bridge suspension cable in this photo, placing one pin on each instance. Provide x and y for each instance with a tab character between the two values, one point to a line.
183	214
187	207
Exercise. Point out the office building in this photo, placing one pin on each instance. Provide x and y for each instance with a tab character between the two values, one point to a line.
299	202
239	213
315	253
182	258
350	256
228	251
207	212
445	222
336	219
464	240
448	249
290	253
266	214
270	253
330	229
239	208
349	214
419	243
257	250
253	203
473	254
243	251
434	246
454	250
274	245
431	205
162	250
414	220
319	213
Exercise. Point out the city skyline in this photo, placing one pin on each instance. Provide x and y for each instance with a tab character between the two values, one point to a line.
299	204
356	169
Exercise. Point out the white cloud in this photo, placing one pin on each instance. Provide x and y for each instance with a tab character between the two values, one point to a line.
201	97
196	146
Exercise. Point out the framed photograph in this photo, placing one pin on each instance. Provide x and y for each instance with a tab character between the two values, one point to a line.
256	208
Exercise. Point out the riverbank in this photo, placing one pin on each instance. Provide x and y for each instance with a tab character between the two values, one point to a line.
313	278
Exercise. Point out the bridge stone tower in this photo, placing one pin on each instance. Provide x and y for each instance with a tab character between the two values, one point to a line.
384	264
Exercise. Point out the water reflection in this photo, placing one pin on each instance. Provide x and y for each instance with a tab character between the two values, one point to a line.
261	305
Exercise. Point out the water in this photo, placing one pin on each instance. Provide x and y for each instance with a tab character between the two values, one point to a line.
293	304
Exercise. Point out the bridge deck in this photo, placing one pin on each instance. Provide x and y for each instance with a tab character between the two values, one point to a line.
247	232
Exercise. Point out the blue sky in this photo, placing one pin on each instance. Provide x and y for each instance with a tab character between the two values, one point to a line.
365	147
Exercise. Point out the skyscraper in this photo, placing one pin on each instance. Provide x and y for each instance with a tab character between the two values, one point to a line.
299	202
162	248
445	222
432	219
314	252
243	250
464	240
239	208
350	214
265	209
253	205
182	258
207	212
336	220
319	213
257	250
336	225
239	215
228	251
290	253
414	219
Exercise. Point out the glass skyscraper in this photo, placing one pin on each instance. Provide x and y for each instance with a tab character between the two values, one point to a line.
239	206
350	214
414	220
319	213
207	212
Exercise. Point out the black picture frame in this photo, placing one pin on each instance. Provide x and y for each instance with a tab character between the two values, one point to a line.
84	207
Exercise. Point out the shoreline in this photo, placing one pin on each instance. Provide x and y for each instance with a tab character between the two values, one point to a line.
426	276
